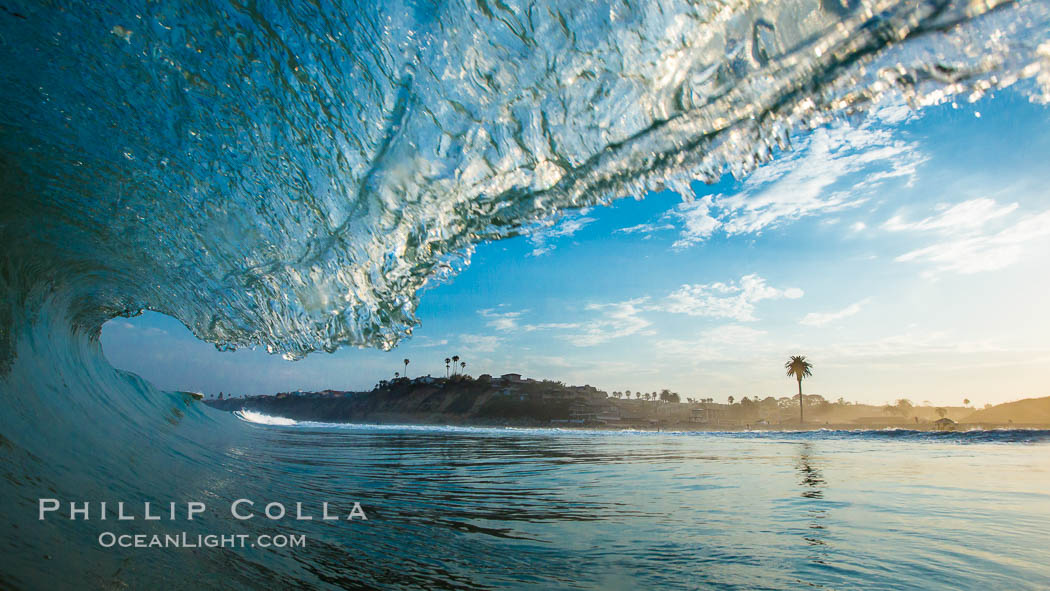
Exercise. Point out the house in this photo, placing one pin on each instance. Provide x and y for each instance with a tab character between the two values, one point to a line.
608	412
706	415
511	377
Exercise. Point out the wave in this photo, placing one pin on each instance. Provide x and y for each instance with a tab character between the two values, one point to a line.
293	175
999	435
256	417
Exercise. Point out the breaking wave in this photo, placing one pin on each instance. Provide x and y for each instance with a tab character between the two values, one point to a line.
257	417
292	175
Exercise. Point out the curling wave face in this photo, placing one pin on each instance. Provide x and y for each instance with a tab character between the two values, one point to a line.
292	175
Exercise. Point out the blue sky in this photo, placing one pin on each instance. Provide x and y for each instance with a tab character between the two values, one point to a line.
905	253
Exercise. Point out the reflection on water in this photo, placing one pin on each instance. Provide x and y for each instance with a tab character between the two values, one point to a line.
496	509
812	482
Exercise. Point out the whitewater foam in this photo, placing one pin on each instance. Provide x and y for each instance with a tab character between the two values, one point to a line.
257	417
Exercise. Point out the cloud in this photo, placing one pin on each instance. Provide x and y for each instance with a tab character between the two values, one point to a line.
966	245
646	229
967	215
541	237
501	321
698	223
822	318
550	326
617	320
730	342
859	159
734	300
476	343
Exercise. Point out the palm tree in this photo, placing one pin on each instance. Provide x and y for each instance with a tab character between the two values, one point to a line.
447	361
798	367
405	361
966	402
455	360
463	365
731	400
396	375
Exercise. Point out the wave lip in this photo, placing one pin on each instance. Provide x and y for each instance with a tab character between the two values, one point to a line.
271	186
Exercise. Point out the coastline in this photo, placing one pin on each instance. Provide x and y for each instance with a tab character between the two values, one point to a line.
513	402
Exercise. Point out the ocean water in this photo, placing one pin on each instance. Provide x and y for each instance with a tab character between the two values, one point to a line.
475	508
291	175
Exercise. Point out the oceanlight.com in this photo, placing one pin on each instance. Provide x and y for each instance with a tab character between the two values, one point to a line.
185	540
240	509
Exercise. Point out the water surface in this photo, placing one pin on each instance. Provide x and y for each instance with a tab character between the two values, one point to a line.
490	508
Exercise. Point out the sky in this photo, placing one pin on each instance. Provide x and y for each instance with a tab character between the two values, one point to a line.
905	254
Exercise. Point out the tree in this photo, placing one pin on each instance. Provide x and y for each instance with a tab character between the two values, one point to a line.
731	399
455	360
628	393
799	368
966	402
396	375
904	407
669	396
463	365
406	367
447	361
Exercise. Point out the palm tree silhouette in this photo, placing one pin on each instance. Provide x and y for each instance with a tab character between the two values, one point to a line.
455	360
966	402
406	367
447	361
798	367
463	365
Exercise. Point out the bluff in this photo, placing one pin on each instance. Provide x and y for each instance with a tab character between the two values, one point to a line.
509	400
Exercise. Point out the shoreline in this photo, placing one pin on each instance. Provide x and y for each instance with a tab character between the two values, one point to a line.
406	422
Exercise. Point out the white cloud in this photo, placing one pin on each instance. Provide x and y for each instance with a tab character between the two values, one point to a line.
501	321
858	227
983	251
645	228
734	300
966	245
730	342
803	183
963	216
476	343
822	318
697	222
541	237
550	326
617	320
